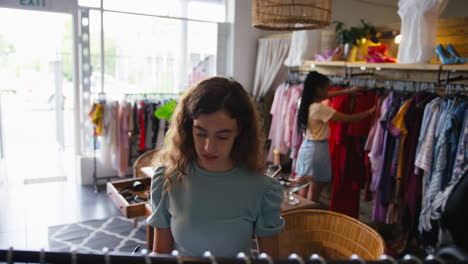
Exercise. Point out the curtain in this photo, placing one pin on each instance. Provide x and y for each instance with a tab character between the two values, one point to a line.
270	58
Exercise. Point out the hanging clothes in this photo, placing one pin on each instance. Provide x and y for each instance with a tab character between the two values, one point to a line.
141	124
348	157
411	182
279	113
96	114
416	148
109	134
149	125
123	153
161	133
128	129
295	136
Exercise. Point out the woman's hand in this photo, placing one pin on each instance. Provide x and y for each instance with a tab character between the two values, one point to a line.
355	90
371	110
303	180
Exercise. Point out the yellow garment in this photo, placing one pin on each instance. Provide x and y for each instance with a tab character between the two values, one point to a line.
399	122
96	117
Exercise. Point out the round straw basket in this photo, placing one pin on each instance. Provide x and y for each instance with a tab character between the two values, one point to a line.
291	14
329	234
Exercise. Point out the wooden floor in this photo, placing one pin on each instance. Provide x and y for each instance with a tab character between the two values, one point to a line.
26	211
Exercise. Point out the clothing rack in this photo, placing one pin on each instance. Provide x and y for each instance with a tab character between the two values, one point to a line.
451	256
146	95
173	94
447	79
100	99
407	86
296	75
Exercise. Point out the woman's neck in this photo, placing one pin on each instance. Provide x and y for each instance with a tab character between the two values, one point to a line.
317	100
218	167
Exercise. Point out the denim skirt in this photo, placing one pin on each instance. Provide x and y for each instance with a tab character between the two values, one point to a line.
314	160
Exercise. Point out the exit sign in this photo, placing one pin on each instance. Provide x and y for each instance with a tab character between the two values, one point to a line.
60	6
33	3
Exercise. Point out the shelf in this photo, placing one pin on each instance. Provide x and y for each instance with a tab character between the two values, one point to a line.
459	67
394	66
313	64
380	66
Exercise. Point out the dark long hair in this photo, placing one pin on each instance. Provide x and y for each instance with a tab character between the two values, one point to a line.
313	81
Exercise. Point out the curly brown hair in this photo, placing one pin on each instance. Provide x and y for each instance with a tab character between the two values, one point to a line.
209	96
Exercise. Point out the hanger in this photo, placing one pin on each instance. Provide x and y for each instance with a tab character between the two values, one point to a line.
145	253
74	257
42	256
357	258
176	254
409	257
208	255
388	258
266	257
10	256
246	259
431	257
297	258
317	257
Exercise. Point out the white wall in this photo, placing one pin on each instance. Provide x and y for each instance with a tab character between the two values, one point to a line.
381	12
377	12
455	8
244	43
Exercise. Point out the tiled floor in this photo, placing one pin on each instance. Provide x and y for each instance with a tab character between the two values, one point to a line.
28	210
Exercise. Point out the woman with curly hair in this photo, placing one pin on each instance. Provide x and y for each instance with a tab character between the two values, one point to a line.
209	192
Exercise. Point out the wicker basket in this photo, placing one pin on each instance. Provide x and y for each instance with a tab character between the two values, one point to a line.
291	14
329	234
144	160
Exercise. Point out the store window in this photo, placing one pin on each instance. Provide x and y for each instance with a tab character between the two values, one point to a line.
150	48
159	47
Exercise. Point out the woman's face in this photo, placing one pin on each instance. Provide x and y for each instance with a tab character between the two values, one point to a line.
213	136
322	92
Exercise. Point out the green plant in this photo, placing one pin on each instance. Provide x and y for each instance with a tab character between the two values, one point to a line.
166	111
353	35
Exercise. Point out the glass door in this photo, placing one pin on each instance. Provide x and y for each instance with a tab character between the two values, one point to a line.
36	67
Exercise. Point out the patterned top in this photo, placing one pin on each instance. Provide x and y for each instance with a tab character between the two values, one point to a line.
460	168
439	168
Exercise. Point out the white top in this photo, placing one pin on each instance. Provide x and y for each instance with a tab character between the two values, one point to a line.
419	19
304	45
317	125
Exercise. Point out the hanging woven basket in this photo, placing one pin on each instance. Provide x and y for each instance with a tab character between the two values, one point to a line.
291	14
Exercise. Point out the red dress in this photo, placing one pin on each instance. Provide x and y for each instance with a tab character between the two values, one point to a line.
348	156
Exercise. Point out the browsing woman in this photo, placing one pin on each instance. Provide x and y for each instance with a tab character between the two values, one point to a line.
313	161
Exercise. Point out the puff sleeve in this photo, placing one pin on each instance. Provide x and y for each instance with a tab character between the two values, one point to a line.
269	222
159	201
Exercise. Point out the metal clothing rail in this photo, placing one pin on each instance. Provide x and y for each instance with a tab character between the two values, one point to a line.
408	86
175	94
170	96
453	255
